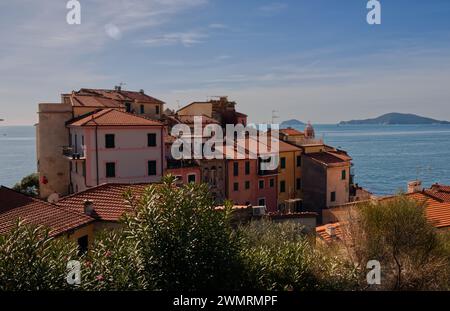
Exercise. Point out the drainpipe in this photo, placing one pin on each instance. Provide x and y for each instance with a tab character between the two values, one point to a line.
162	151
96	152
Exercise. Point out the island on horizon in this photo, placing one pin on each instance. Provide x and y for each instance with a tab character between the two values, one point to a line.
396	118
291	123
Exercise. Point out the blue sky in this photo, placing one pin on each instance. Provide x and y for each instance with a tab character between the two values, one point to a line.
313	60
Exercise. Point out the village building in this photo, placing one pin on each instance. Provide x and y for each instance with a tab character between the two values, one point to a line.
52	133
61	222
112	146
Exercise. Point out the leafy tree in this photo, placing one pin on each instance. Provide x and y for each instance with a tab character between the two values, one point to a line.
397	233
279	257
29	185
31	260
183	242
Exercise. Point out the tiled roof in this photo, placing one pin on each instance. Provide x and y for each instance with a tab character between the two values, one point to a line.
436	211
109	203
291	132
14	205
439	192
322	232
189	119
329	157
113	117
94	102
121	95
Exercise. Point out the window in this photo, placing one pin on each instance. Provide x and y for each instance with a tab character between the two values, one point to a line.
82	140
236	169
236	186
157	109
261	184
272	183
247	185
142	109
333	196
247	168
283	163
151	168
299	183
344	175
299	161
76	167
128	107
83	165
110	170
262	202
76	143
282	186
83	244
151	140
110	141
191	178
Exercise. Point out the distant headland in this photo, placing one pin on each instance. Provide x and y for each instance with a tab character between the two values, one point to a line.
396	119
292	123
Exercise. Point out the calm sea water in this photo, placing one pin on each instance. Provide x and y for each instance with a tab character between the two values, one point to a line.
17	153
385	157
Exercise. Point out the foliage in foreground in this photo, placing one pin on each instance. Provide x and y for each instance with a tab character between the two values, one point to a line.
278	257
31	260
412	253
174	240
29	185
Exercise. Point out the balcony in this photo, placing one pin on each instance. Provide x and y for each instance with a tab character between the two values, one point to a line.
71	153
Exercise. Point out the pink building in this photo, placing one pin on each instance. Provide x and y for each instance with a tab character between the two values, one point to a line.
112	146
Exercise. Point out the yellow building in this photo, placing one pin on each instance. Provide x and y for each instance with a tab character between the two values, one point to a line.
290	178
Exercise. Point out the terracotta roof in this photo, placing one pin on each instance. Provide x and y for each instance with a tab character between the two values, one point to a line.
436	211
291	132
121	95
15	205
329	158
439	192
189	119
113	117
109	203
94	102
322	232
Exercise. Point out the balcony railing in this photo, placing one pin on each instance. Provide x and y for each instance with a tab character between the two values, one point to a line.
70	152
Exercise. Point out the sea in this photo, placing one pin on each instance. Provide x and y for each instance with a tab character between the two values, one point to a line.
385	157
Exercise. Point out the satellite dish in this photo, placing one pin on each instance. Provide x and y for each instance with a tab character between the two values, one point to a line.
53	198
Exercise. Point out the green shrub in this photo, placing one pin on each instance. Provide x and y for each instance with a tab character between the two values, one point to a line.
31	260
279	257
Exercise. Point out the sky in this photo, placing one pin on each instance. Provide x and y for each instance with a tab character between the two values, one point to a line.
315	60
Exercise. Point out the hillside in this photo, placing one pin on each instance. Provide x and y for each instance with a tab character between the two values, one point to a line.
396	118
292	123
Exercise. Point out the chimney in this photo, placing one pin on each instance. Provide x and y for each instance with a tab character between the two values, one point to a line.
142	91
118	88
331	231
88	207
415	186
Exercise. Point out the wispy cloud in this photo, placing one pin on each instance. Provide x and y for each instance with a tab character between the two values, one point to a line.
186	39
272	8
218	26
